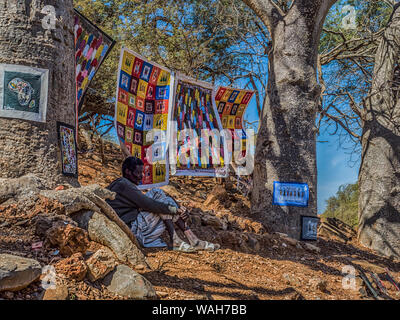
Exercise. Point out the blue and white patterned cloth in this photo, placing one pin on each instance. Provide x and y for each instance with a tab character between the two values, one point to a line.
148	227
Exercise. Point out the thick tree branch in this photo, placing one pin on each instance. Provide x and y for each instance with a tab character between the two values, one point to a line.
268	11
354	105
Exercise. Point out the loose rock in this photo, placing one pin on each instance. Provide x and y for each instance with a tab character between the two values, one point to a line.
68	238
216	194
318	284
82	218
9	295
291	280
43	222
100	264
17	272
253	243
59	293
214	222
140	267
73	267
312	248
106	232
96	158
291	241
162	294
128	283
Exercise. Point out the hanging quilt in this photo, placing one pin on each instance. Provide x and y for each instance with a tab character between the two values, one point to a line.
69	161
23	92
231	104
91	48
198	128
142	113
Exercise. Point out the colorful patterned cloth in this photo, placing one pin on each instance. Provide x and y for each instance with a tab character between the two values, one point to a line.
231	104
197	119
148	227
142	111
91	48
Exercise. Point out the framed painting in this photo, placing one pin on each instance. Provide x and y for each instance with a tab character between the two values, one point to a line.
290	194
69	158
23	92
309	228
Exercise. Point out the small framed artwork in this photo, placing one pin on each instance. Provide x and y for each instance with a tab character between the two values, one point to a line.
290	194
309	227
23	92
69	159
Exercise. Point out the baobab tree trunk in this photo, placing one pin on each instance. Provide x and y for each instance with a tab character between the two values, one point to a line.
379	179
28	146
286	142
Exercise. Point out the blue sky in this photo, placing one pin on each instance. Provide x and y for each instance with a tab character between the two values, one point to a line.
333	163
334	169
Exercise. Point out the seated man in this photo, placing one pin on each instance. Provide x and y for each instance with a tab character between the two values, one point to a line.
159	211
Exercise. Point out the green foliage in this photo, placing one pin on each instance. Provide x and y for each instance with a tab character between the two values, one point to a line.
211	40
371	16
344	206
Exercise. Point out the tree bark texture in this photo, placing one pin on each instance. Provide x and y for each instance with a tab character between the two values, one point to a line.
26	146
286	141
379	179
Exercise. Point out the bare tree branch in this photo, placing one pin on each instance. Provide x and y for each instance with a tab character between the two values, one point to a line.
267	10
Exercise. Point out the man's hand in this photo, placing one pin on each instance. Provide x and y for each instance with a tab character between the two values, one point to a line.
182	211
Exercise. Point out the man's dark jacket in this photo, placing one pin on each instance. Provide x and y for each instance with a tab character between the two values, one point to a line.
129	200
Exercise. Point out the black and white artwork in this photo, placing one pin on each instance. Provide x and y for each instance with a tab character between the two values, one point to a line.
309	228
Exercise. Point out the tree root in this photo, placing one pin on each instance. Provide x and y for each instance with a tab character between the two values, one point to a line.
89	198
20	187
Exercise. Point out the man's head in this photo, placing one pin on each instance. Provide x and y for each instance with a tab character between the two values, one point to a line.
132	169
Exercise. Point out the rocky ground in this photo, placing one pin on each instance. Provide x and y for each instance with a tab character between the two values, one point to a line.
251	264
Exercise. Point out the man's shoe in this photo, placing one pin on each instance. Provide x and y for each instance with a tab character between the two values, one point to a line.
184	247
207	246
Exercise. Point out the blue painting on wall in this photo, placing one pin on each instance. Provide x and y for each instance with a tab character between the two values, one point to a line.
290	194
